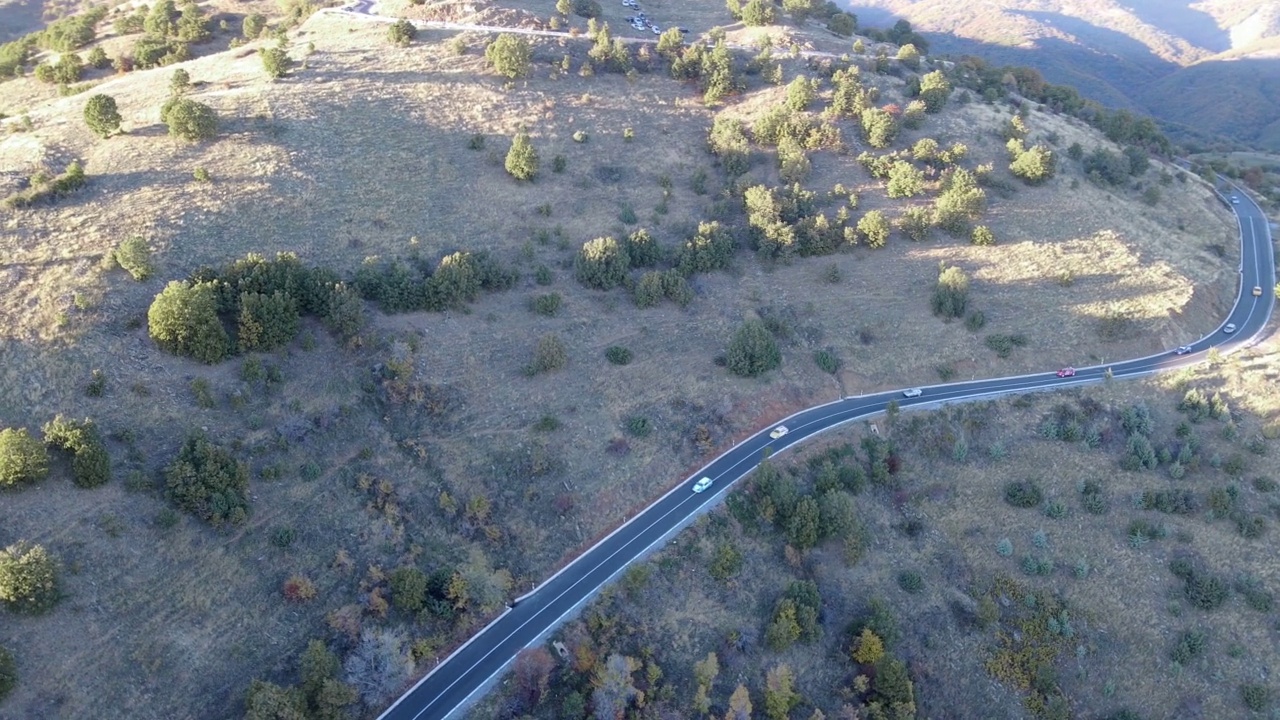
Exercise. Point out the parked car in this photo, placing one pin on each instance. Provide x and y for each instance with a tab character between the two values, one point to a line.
1183	350
702	484
1067	372
1229	328
913	392
778	432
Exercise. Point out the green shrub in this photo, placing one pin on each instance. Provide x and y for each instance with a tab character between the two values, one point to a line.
22	458
283	536
28	578
639	426
135	256
602	263
510	56
1093	499
189	120
1256	697
726	561
267	322
547	423
402	32
617	355
548	305
1023	493
548	355
208	482
1206	591
97	384
827	361
275	61
409	587
90	463
1190	645
975	321
910	581
1003	345
753	350
183	320
101	115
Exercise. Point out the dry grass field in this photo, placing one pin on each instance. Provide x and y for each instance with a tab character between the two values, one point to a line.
945	520
363	151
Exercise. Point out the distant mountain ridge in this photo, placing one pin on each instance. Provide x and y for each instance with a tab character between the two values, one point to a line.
1201	67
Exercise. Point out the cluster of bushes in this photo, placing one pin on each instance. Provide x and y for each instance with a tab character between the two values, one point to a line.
208	482
795	617
1202	589
882	684
261	299
1033	165
47	188
1003	344
320	694
1075	423
25	460
1198	406
1103	166
62	36
807	518
410	286
168	33
712	69
90	463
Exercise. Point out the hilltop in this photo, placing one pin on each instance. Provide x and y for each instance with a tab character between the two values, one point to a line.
469	385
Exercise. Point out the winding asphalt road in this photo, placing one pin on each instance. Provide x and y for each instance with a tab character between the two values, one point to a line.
453	684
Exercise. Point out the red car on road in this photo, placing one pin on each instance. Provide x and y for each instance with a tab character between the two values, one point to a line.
1067	372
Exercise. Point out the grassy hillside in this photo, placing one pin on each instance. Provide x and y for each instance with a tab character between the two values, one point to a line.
1208	69
1007	589
422	442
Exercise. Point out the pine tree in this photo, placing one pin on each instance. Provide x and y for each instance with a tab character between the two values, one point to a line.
522	159
101	115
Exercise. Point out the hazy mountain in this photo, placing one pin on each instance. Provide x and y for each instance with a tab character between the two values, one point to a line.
1211	66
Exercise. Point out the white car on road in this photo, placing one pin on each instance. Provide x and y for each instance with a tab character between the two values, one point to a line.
913	392
778	432
702	484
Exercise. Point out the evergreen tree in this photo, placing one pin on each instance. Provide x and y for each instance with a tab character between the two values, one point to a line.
23	459
905	180
753	350
266	322
758	12
510	56
183	320
875	228
602	264
101	115
28	578
934	90
189	120
522	159
275	61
